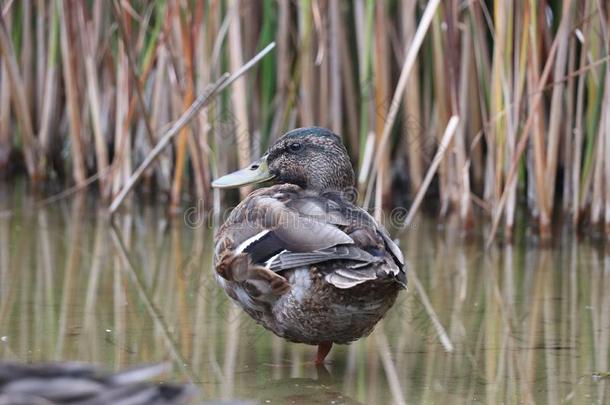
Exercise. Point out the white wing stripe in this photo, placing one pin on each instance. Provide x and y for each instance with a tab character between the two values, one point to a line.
250	241
270	261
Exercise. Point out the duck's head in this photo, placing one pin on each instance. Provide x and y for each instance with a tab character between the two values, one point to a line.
313	158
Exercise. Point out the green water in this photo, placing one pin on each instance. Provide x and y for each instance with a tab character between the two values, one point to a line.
526	324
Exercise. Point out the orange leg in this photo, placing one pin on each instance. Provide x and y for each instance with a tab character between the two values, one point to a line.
323	349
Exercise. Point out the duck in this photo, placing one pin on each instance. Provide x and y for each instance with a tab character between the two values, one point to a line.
76	383
299	256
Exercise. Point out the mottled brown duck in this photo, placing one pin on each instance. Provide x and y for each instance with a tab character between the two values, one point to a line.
298	256
84	384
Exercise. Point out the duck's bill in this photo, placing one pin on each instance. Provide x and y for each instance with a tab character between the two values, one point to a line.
257	172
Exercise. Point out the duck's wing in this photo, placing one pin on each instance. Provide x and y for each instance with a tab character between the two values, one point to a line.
263	227
332	208
290	260
291	237
283	228
265	222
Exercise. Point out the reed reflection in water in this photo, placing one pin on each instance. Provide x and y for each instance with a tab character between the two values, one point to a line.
526	324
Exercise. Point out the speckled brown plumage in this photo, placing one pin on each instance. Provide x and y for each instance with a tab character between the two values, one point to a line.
299	257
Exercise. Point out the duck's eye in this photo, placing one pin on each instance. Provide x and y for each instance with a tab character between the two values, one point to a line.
295	147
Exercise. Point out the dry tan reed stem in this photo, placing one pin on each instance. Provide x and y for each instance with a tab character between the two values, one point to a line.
20	100
598	173
101	151
70	81
336	112
440	153
606	160
415	143
49	94
606	125
578	141
349	88
306	66
187	99
462	169
557	101
5	122
382	94
239	97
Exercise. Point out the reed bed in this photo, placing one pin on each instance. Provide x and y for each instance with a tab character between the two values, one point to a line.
87	89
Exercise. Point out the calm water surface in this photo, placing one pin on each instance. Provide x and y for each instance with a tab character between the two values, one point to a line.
514	324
